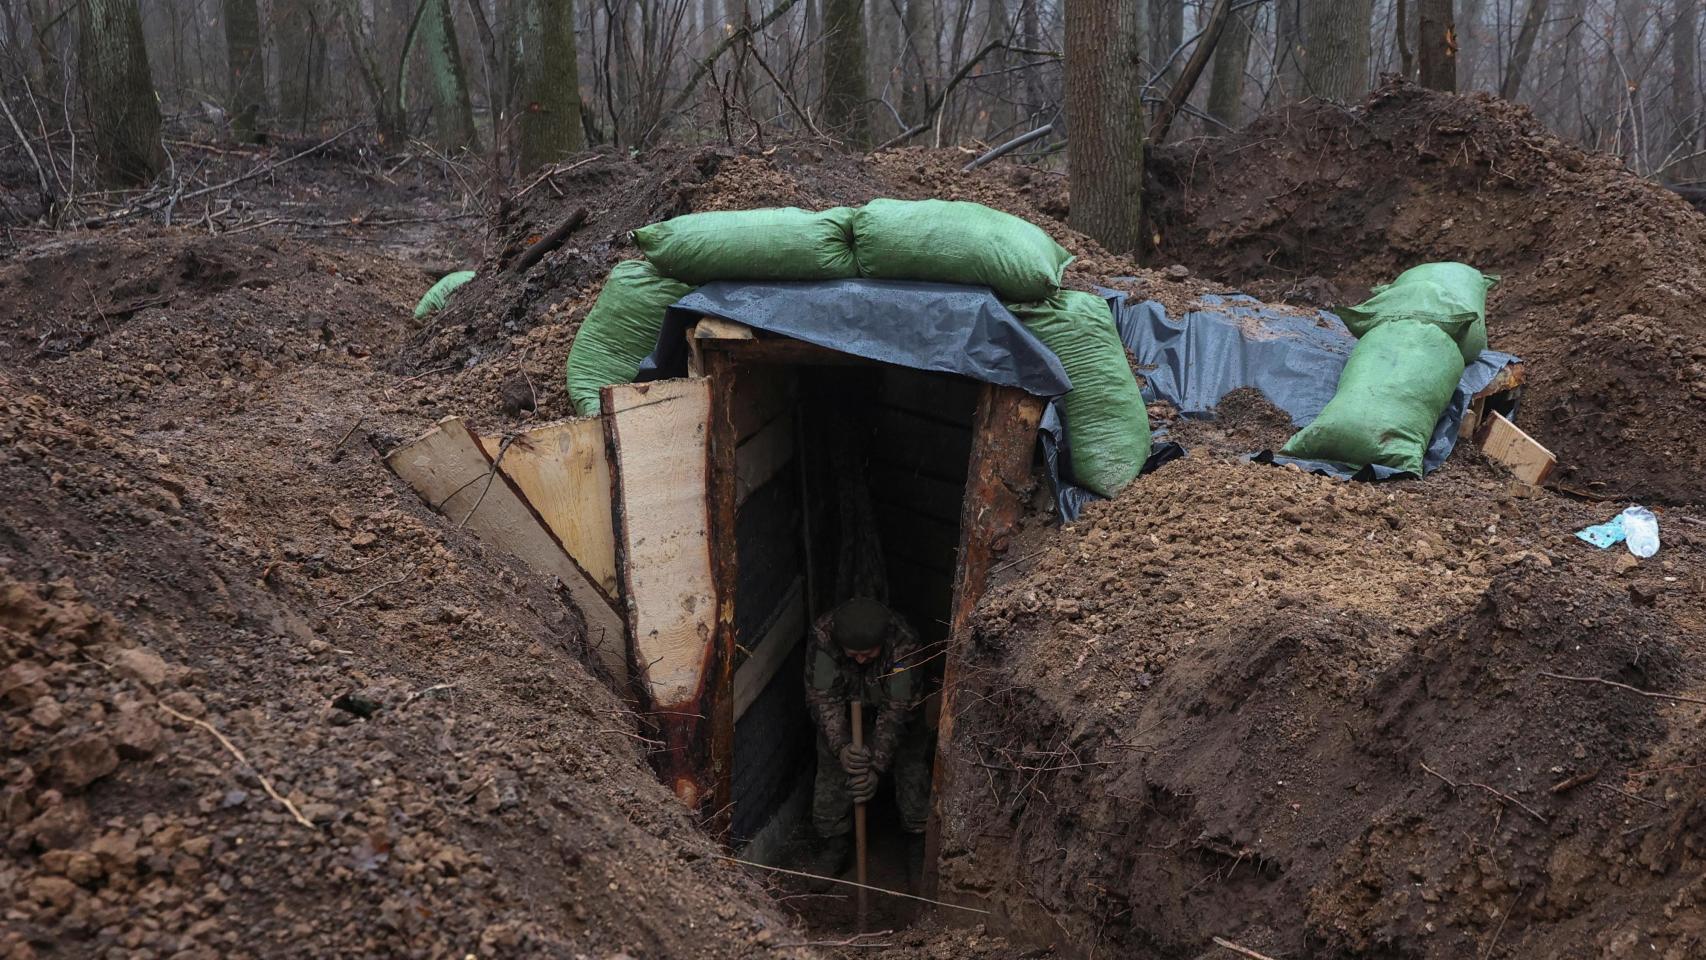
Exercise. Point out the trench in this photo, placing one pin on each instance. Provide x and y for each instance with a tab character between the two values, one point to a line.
850	482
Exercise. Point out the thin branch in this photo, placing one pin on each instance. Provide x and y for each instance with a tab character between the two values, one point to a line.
704	66
941	97
850	883
1009	147
1623	686
1507	798
232	747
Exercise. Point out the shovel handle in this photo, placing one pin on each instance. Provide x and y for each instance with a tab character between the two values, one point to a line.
859	818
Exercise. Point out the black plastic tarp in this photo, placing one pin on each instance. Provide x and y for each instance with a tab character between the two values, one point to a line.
944	328
1292	356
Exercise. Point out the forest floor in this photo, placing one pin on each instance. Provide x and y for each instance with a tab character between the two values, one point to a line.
259	700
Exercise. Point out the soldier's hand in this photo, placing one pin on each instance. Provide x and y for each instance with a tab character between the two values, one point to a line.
862	786
855	760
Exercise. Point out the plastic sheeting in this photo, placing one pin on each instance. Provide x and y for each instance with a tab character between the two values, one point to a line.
1292	356
940	327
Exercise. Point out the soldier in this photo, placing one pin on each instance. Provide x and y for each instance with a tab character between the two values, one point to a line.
864	650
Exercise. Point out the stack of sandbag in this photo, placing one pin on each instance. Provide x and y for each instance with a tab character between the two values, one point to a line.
1414	337
930	240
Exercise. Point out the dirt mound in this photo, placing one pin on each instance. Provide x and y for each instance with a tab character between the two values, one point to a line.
197	530
1229	704
1603	271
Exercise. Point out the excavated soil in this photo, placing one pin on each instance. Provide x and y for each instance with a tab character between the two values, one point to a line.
1314	717
259	700
1604	271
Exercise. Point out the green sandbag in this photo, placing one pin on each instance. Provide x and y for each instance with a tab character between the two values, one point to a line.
1391	393
1106	424
1432	291
619	331
782	243
951	241
434	299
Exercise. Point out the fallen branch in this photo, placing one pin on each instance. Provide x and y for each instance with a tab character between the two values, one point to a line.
850	883
1623	686
1009	147
1505	797
232	747
1226	944
553	170
548	242
1188	78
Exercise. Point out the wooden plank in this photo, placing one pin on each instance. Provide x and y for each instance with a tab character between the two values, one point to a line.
1506	443
658	435
998	483
716	766
766	392
716	328
939	396
772	650
763	456
917	445
933	497
450	471
782	350
561	468
1509	378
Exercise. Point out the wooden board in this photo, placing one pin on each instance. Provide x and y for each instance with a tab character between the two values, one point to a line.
450	470
1505	442
562	470
762	456
772	649
766	392
658	435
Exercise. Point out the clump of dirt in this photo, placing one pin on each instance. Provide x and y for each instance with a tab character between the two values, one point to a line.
1315	717
1603	271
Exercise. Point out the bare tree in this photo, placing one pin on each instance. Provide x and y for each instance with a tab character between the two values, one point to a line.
300	28
113	71
1436	35
1288	48
245	66
846	107
550	118
1335	48
1511	85
1104	116
1231	59
453	113
1685	88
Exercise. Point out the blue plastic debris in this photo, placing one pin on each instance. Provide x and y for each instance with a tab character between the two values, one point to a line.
1603	535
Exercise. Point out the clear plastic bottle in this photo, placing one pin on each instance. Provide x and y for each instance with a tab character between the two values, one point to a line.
1642	529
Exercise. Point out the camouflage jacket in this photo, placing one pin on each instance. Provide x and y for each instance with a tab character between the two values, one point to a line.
834	680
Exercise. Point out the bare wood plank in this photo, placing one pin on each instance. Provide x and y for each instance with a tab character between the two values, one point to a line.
783	350
658	437
763	456
561	468
716	328
717	762
450	471
1507	379
772	650
1506	443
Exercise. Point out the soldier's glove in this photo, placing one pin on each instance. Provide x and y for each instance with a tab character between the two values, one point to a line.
862	786
855	760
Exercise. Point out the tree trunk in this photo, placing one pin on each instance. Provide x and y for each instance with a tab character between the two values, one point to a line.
1436	36
846	112
887	61
1685	80
920	60
1401	29
245	66
1000	113
1511	85
452	113
550	117
300	27
1231	58
113	72
1104	116
1288	49
1335	48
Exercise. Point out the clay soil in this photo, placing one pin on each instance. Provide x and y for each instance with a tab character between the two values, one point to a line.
259	700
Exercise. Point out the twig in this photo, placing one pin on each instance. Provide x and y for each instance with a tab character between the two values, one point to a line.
1029	556
1494	942
553	171
491	475
1571	783
411	698
1226	944
41	174
1623	686
1632	796
549	242
232	747
1009	147
704	65
941	98
371	590
348	433
1525	808
850	883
